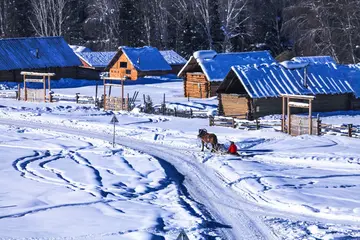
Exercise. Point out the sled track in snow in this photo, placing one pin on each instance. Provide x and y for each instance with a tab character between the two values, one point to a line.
223	209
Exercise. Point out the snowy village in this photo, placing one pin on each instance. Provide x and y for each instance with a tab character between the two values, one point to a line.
125	139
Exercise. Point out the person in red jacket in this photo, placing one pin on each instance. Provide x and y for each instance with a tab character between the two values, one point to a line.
233	149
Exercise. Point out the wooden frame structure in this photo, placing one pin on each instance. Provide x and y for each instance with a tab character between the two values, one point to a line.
37	78
111	84
287	104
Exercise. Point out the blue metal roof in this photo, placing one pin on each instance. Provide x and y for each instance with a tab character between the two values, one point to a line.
216	66
262	81
31	53
172	57
353	76
146	58
97	59
315	59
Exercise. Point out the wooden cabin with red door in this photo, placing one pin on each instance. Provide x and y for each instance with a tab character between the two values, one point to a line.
134	63
206	69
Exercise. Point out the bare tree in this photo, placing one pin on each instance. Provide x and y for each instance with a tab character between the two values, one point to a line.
49	16
233	15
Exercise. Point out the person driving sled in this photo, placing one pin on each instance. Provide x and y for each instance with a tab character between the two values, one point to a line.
233	149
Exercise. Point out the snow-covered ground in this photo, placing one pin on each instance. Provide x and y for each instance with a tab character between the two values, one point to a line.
288	187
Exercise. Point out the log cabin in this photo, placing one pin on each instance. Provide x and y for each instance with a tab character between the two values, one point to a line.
134	63
206	69
40	54
254	91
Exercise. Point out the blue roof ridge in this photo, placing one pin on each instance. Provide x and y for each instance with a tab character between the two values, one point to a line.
21	38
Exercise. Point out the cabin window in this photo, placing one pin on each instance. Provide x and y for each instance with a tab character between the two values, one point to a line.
123	64
128	71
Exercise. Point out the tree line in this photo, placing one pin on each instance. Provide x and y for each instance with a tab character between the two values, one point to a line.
285	27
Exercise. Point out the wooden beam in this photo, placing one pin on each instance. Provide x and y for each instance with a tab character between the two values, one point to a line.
37	74
113	84
305	97
34	80
298	104
113	78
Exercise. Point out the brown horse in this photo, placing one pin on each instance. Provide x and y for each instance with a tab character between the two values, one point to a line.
208	138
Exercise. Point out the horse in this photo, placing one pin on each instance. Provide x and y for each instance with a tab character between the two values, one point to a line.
208	138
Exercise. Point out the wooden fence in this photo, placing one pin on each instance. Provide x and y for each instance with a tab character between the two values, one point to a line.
348	130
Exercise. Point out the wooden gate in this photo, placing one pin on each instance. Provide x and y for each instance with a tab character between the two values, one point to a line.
116	104
297	125
300	125
36	95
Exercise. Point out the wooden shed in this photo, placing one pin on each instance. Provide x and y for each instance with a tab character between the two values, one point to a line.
206	69
254	91
135	63
40	54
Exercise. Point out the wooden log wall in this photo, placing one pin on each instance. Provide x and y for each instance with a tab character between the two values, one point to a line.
119	72
196	85
329	103
234	105
355	103
266	106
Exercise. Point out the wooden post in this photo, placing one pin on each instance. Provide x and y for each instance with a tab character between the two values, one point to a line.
19	92
283	114
175	112
289	117
233	122
44	85
96	94
211	121
164	105
318	126
191	113
104	94
49	78
257	124
25	91
128	103
144	103
122	94
350	130
310	117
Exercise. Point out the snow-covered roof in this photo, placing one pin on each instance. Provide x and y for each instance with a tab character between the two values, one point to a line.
315	59
143	58
35	53
172	57
97	59
79	49
353	76
262	81
216	66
